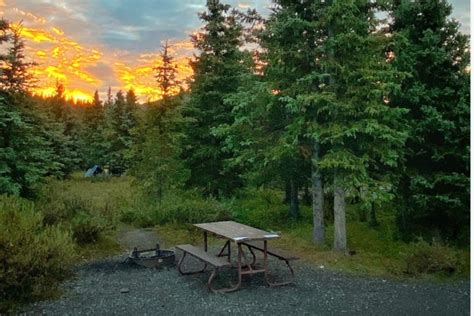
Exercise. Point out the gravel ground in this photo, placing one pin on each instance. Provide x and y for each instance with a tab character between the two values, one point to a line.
97	291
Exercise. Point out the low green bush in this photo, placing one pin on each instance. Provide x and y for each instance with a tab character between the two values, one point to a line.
86	229
81	216
435	258
33	257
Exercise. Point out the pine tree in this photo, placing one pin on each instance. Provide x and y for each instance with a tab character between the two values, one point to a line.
329	79
157	164
217	73
93	133
121	121
25	155
290	49
166	74
362	131
435	54
14	76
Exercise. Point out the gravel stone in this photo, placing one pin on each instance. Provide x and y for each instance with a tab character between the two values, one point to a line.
317	292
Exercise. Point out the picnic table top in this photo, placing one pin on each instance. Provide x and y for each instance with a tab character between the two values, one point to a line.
236	232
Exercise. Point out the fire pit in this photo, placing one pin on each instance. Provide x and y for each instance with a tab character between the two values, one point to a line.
152	258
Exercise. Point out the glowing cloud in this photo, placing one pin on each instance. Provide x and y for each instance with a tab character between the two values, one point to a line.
80	67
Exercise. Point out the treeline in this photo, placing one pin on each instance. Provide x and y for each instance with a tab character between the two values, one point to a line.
53	136
324	100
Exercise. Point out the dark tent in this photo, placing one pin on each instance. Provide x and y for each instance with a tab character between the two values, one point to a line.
93	171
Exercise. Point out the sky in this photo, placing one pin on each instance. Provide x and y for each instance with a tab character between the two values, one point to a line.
90	45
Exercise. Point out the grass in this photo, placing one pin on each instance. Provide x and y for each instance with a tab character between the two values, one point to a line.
377	252
105	246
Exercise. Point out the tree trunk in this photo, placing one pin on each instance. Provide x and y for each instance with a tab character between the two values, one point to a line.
307	196
287	192
318	199
340	239
373	216
294	204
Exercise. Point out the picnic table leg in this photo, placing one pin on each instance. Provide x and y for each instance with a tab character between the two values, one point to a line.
226	246
265	261
180	269
205	241
254	257
239	272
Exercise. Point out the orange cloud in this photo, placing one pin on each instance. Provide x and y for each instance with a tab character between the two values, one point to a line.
78	67
142	76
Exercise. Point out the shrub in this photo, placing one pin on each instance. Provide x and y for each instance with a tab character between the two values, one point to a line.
431	259
86	229
84	220
33	258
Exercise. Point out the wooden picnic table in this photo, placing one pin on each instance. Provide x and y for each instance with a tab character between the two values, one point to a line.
241	235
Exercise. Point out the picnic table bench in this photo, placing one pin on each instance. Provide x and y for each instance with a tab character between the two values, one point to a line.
241	235
206	258
251	245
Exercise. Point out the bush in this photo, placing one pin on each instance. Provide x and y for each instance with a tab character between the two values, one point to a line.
86	229
33	258
424	258
84	220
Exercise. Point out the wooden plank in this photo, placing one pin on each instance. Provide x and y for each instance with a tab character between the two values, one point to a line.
273	252
236	231
204	256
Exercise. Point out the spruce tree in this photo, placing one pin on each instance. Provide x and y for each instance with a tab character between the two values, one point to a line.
121	120
93	132
157	164
362	130
15	76
217	72
25	155
430	48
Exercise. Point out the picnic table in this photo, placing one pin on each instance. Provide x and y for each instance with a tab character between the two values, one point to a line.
241	235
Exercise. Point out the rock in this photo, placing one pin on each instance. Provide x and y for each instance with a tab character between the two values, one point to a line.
124	290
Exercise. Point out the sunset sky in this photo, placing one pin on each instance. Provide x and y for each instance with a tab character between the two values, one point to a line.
94	44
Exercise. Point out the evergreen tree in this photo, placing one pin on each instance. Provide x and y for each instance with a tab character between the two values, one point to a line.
435	54
93	133
25	157
217	73
14	76
158	166
110	98
362	132
63	133
329	80
119	136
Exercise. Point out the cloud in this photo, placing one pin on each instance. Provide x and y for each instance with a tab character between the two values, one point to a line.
461	12
92	45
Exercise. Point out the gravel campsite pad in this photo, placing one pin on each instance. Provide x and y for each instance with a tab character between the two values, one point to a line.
112	287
